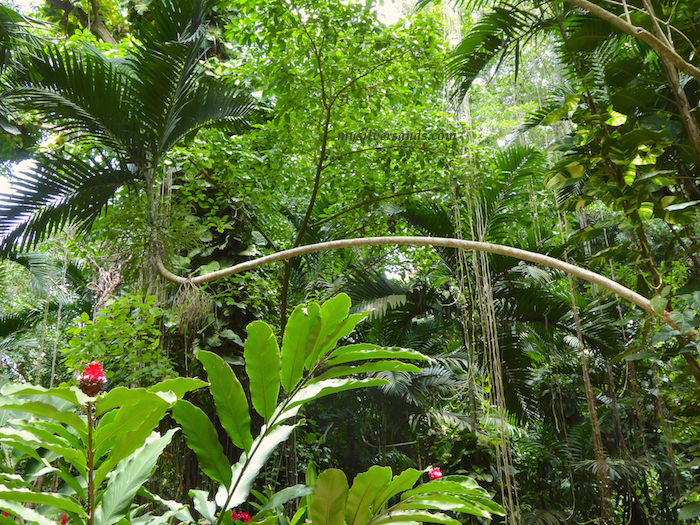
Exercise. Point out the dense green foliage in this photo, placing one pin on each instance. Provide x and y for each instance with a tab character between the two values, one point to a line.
187	137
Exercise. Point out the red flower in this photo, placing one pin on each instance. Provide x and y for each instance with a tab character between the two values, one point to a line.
434	474
240	516
4	513
64	518
93	380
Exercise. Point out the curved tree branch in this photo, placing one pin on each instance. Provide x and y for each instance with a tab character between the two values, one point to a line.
538	258
657	45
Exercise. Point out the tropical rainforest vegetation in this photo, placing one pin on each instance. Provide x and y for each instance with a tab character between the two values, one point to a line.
288	262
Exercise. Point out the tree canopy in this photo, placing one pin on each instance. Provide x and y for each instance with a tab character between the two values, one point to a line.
209	197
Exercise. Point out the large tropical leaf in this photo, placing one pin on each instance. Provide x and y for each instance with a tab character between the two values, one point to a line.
262	362
202	438
230	399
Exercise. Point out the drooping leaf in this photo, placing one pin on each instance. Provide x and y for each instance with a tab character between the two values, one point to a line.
364	351
201	437
45	410
414	516
231	402
329	498
60	501
28	515
378	366
72	394
180	510
262	363
331	386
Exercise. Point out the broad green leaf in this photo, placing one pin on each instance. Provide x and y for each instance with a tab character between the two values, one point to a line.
331	386
28	515
285	495
128	442
202	438
294	346
452	484
138	418
363	352
658	303
231	402
243	478
414	516
399	484
128	477
121	396
333	313
179	385
314	312
262	363
448	502
329	498
202	505
44	410
365	489
489	505
344	328
438	502
689	511
375	366
24	495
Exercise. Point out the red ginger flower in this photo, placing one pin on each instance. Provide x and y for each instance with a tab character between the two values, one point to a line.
64	518
92	381
240	516
434	474
4	513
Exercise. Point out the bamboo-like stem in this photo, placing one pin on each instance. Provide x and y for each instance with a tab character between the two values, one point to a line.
90	468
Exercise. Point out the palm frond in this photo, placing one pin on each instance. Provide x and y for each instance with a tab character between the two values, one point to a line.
496	33
208	105
173	21
17	323
56	191
85	93
375	293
